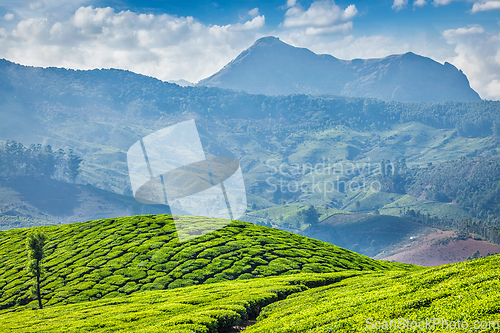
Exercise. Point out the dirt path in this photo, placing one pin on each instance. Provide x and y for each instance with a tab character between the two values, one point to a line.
243	326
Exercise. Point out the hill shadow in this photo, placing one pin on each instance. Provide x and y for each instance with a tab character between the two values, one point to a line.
48	195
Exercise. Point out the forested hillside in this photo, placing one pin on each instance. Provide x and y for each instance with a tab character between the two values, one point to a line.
97	115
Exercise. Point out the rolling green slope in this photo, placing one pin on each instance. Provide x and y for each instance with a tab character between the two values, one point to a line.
113	257
467	291
205	308
348	301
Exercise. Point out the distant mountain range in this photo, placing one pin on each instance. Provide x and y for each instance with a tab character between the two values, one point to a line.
272	67
181	82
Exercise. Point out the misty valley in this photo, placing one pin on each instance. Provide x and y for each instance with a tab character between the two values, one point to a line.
372	190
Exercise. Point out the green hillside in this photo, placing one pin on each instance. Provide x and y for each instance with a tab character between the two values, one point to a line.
324	302
205	308
30	201
114	257
467	291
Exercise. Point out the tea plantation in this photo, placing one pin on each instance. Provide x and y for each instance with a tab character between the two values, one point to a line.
347	301
117	257
464	297
205	308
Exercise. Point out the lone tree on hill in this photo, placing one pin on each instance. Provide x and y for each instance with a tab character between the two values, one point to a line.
73	166
310	215
34	245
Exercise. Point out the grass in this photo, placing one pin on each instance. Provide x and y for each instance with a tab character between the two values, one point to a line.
432	208
108	258
207	308
467	291
287	216
348	301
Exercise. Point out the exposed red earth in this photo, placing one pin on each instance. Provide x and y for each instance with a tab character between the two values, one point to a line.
438	248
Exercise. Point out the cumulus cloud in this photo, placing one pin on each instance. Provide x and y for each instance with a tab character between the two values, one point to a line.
419	3
8	16
37	5
322	17
319	14
255	24
346	27
164	46
478	55
399	4
485	6
254	12
442	2
347	47
470	30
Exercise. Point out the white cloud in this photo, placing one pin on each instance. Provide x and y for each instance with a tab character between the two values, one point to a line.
8	16
345	27
163	46
255	24
254	12
37	5
399	4
470	30
478	57
291	3
32	30
485	6
349	12
442	2
419	3
319	14
348	47
321	18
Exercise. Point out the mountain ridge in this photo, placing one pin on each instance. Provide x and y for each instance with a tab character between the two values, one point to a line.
273	67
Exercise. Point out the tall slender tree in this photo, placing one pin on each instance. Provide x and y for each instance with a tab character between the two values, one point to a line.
34	245
73	166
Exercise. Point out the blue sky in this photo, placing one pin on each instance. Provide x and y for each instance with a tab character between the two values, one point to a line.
191	40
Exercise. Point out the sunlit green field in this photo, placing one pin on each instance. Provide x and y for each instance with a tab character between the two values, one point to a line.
349	301
468	291
206	308
116	257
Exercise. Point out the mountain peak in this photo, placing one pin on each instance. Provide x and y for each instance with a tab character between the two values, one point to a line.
272	67
268	40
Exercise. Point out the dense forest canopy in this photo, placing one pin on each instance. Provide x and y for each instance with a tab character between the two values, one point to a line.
16	160
134	95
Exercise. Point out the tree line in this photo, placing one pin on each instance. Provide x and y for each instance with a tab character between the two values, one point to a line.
142	97
16	161
472	183
489	230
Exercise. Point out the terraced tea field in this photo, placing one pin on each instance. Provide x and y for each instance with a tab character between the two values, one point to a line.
465	294
348	301
206	308
116	257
